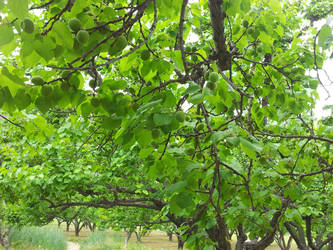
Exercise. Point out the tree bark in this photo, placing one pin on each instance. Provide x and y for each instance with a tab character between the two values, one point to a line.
128	236
169	235
219	235
68	224
180	242
138	236
4	237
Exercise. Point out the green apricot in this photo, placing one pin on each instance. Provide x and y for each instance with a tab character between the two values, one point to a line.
199	155
211	85
46	90
200	126
92	84
64	86
190	151
65	73
27	25
155	133
118	45
82	36
94	102
246	23
180	116
37	80
145	55
213	77
250	30
74	24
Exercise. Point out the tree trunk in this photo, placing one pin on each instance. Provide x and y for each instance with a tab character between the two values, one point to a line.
180	242
68	224
219	235
128	236
4	237
59	223
138	236
241	238
169	235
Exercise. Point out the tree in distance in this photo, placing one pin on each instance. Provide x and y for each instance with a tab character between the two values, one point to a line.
180	116
95	101
145	55
27	25
37	80
46	90
82	36
213	77
74	24
118	45
155	133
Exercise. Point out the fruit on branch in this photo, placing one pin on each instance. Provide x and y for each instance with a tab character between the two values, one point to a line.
95	102
145	55
118	45
250	30
37	80
200	126
92	83
180	116
46	90
190	151
74	24
64	86
65	74
246	23
82	36
27	25
211	85
155	133
213	77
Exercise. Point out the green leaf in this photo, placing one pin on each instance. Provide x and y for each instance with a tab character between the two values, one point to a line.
275	5
162	119
249	148
233	140
192	88
21	99
143	136
62	34
217	136
6	34
18	7
177	187
12	77
284	150
183	200
111	123
42	104
325	36
196	99
115	84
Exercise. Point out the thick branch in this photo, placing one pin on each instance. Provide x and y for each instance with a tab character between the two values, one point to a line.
217	17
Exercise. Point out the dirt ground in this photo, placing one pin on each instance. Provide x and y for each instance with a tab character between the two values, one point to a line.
72	246
156	240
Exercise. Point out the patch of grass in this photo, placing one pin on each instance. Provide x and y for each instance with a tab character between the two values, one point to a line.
49	238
